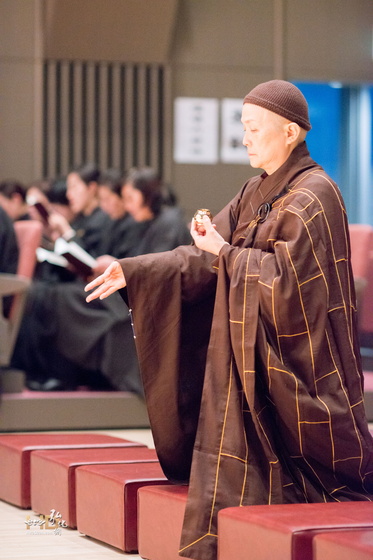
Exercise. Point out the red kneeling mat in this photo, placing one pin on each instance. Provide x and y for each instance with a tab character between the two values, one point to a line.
349	544
160	519
15	450
53	475
106	500
284	531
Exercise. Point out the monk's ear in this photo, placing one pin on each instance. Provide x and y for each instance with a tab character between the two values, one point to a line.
293	131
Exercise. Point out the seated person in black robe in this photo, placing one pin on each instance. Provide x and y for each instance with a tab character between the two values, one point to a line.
35	352
8	252
99	338
13	200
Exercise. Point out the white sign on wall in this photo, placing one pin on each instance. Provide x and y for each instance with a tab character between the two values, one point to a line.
196	130
232	150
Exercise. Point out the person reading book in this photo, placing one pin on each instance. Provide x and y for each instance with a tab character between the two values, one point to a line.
88	338
47	197
35	350
143	221
89	222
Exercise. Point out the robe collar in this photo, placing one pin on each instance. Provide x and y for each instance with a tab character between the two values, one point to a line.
269	187
298	161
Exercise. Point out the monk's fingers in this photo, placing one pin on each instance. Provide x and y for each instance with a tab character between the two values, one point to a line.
107	283
112	269
109	290
193	225
207	224
96	282
96	294
109	286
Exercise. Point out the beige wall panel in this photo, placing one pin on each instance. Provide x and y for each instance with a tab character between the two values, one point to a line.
208	186
222	48
112	30
17	32
20	100
224	32
329	40
17	140
228	82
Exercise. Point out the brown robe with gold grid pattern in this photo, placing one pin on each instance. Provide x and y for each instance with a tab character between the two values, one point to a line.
269	327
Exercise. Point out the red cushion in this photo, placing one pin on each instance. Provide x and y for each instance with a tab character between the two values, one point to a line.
285	530
368	395
53	475
160	519
109	513
368	380
344	545
15	450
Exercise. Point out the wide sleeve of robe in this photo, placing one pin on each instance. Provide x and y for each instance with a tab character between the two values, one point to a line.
171	297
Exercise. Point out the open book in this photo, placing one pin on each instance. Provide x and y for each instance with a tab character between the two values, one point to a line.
42	210
68	253
82	261
43	255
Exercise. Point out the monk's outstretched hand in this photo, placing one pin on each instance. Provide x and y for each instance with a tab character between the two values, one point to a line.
107	283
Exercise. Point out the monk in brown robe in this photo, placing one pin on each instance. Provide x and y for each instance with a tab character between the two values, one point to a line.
251	333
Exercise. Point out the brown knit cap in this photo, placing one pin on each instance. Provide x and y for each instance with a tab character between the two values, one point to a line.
283	98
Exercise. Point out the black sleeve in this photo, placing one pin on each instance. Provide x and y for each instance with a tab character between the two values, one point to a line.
8	245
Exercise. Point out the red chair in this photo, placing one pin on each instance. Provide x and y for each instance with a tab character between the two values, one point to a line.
361	237
28	234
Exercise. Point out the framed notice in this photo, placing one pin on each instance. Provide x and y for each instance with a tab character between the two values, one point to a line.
232	150
196	130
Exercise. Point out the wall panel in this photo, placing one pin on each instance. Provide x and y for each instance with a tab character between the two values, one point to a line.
329	40
112	114
114	30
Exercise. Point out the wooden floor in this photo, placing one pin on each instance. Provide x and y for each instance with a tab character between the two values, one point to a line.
18	542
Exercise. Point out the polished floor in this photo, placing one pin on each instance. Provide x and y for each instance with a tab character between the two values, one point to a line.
18	542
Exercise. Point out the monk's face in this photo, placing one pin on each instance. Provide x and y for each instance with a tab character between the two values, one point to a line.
265	137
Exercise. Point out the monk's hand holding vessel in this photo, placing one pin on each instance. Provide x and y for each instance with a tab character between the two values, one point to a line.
198	217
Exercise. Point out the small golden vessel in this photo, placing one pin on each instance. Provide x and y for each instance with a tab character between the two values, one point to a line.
198	215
